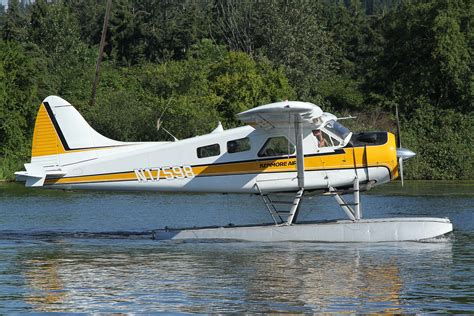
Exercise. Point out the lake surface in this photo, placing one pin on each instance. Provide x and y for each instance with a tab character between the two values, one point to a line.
92	252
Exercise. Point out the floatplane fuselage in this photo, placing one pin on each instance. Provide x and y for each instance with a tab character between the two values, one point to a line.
287	146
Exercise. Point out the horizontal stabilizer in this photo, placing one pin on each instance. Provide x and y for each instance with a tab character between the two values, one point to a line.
35	175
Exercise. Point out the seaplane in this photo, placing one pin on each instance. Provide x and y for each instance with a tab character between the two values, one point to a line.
288	148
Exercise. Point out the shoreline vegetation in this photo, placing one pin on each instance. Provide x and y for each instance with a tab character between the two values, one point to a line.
194	63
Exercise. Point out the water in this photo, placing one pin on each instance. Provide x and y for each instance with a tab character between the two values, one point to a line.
93	252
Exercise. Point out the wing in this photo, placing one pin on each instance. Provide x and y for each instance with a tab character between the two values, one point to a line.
280	114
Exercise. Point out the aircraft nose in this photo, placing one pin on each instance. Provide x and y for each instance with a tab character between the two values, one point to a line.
405	153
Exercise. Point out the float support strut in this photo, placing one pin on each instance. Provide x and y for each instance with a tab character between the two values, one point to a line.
293	215
353	209
357	209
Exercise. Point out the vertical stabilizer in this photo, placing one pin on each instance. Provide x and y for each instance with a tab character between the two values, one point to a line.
61	137
61	129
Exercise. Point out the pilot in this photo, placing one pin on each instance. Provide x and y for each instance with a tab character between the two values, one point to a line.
319	136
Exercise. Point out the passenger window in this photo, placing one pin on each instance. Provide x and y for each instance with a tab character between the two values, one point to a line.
238	145
276	146
209	151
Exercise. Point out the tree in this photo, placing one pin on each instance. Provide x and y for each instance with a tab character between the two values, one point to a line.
198	62
148	31
242	83
90	16
439	138
210	85
18	103
292	35
55	31
234	24
14	26
428	54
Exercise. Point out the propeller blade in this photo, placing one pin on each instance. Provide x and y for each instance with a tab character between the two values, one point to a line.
399	136
400	168
403	154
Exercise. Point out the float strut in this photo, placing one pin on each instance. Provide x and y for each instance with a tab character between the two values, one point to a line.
295	207
357	210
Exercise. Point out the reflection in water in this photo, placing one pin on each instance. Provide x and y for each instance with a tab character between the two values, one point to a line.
90	252
45	283
223	277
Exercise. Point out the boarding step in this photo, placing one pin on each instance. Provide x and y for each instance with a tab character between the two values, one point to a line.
282	202
349	204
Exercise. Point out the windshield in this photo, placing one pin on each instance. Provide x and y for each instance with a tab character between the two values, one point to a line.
337	129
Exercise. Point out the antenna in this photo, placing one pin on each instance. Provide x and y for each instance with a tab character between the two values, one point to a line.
346	117
158	121
174	138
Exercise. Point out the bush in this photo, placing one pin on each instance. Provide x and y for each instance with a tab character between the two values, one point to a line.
442	140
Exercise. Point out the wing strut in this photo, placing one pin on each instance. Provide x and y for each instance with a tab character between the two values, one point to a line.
299	151
293	215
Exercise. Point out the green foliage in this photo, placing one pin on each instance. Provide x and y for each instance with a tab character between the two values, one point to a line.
443	142
18	105
90	17
341	93
154	31
292	35
15	23
194	63
193	94
242	83
428	54
55	31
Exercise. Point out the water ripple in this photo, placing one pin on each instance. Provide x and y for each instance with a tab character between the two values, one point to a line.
91	252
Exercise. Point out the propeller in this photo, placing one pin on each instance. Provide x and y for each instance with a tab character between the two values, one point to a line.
402	153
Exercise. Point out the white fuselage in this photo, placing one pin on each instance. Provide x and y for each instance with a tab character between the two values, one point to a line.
136	166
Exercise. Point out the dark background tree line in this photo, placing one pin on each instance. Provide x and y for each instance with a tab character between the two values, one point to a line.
198	62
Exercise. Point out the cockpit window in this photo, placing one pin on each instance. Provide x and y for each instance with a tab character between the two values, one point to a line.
276	146
324	140
331	141
337	129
